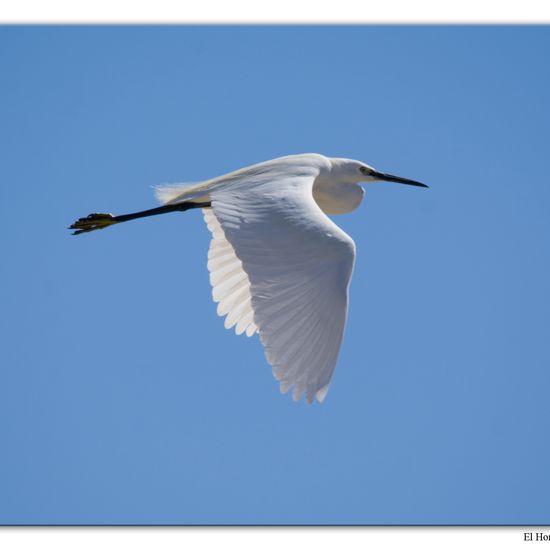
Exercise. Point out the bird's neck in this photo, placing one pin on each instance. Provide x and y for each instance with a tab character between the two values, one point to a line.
337	198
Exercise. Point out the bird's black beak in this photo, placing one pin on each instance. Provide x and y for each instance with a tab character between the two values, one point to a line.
396	179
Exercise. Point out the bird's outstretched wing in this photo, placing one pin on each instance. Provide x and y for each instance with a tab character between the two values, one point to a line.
281	267
230	283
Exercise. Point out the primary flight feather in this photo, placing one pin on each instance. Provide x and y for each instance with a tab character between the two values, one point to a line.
279	266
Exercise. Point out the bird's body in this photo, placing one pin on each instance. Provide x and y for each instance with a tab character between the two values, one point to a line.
278	265
334	190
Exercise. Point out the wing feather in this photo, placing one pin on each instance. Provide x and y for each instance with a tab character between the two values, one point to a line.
281	267
230	284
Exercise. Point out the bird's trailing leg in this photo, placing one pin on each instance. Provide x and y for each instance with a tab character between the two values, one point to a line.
92	222
99	220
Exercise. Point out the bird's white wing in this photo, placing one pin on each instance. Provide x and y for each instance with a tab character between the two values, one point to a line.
230	283
281	267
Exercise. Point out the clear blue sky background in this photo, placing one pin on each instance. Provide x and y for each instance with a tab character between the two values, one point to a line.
123	398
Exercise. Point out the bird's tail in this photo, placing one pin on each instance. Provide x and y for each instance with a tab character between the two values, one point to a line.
165	194
179	192
97	220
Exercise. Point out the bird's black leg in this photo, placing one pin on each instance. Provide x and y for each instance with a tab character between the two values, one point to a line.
99	220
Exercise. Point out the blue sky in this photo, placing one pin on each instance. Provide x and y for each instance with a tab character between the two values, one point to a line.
124	400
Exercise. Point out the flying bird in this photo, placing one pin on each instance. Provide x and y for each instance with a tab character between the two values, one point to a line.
279	266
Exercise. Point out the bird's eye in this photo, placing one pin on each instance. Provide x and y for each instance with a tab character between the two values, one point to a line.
364	170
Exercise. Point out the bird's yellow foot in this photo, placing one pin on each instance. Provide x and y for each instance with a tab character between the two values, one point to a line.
92	222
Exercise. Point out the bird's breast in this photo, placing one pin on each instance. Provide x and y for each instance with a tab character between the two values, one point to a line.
337	199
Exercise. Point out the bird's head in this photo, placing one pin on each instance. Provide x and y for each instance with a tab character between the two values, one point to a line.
354	171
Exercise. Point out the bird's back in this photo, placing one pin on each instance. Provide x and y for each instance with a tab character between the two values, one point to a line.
279	169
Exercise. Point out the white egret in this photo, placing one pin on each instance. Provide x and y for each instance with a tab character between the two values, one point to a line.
279	266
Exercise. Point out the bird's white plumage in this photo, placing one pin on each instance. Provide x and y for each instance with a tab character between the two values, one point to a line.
279	266
230	283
